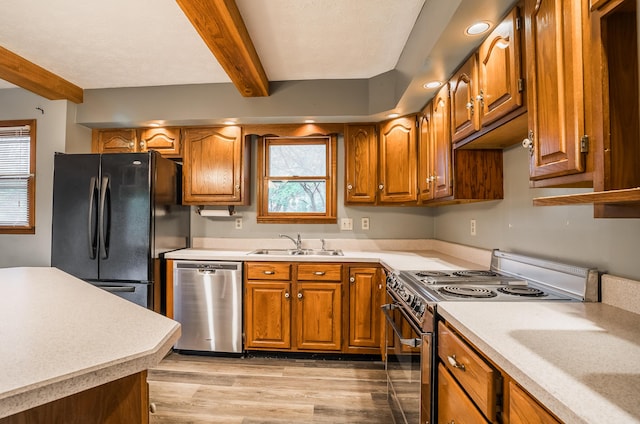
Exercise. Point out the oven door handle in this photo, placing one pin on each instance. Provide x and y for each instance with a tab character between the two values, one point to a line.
416	342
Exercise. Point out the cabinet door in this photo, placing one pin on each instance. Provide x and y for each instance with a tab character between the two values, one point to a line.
453	404
361	164
398	160
364	307
500	75
425	156
164	140
268	315
553	35
464	117
114	141
440	127
214	166
318	315
524	410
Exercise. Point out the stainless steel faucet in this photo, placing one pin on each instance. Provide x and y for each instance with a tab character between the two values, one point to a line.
297	241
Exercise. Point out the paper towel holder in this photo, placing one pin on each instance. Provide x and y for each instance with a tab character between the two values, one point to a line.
231	211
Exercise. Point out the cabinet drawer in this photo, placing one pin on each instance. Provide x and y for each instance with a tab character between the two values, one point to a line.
473	373
269	271
320	272
453	404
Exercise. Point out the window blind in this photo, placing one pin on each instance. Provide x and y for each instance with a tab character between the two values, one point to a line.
15	173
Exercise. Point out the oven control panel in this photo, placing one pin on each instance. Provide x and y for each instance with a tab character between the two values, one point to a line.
401	291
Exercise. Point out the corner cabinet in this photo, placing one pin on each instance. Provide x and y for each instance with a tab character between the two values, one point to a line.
216	166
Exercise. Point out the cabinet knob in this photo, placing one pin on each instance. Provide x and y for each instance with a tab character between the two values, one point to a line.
454	362
131	144
349	186
480	98
299	295
352	279
469	107
527	143
381	186
237	187
142	145
287	295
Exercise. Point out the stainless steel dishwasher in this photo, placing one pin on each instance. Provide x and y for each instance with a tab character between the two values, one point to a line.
207	302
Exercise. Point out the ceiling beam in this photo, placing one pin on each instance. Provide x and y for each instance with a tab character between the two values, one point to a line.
221	27
23	73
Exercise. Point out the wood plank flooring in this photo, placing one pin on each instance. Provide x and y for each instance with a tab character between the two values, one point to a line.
258	390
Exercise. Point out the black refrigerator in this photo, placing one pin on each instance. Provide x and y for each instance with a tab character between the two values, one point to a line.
114	215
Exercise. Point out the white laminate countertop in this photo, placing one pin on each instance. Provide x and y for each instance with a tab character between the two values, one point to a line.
60	335
581	360
393	260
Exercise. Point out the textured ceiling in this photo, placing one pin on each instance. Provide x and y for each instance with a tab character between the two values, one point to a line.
130	43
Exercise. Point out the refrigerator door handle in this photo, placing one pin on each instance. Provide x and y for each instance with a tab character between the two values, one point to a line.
104	224
91	230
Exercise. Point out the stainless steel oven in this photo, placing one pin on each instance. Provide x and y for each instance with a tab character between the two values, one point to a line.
409	357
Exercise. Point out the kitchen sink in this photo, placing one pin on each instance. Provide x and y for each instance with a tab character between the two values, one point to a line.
298	252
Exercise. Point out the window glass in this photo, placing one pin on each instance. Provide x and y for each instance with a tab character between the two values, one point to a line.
17	185
304	160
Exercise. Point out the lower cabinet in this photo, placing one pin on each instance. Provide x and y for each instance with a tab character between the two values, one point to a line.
471	389
312	307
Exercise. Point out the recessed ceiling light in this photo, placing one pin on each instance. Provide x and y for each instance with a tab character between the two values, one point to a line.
478	28
154	124
393	115
432	84
229	122
309	121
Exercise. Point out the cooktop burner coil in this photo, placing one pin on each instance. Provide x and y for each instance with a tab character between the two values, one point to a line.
468	292
431	274
522	291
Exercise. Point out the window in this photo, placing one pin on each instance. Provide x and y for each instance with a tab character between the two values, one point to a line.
17	176
298	179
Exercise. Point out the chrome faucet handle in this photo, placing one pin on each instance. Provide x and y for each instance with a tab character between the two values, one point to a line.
323	241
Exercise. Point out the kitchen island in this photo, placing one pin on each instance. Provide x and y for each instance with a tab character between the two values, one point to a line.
71	352
580	360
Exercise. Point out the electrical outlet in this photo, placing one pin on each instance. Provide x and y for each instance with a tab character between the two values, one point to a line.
473	227
364	223
346	224
238	223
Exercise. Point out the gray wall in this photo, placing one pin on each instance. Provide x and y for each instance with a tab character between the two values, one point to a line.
568	233
34	249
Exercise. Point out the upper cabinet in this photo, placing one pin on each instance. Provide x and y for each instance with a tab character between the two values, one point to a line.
557	136
441	181
164	140
361	153
488	108
381	162
216	166
398	160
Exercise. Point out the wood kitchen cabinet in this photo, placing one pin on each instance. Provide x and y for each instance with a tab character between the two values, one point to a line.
441	179
166	141
465	119
295	307
361	160
523	409
216	166
425	155
558	134
364	314
398	160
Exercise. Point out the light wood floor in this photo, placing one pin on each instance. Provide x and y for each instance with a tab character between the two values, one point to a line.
252	390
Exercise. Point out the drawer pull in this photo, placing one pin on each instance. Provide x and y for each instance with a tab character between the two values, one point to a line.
269	272
319	273
454	362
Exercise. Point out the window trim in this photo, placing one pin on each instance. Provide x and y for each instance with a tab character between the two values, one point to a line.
330	214
30	228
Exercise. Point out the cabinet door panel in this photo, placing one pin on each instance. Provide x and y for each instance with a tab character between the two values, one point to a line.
164	140
115	141
318	316
524	410
555	86
464	116
500	71
453	404
440	128
361	159
364	309
398	160
213	165
268	315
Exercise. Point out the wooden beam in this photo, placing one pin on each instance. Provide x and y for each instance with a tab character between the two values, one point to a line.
23	73
221	27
